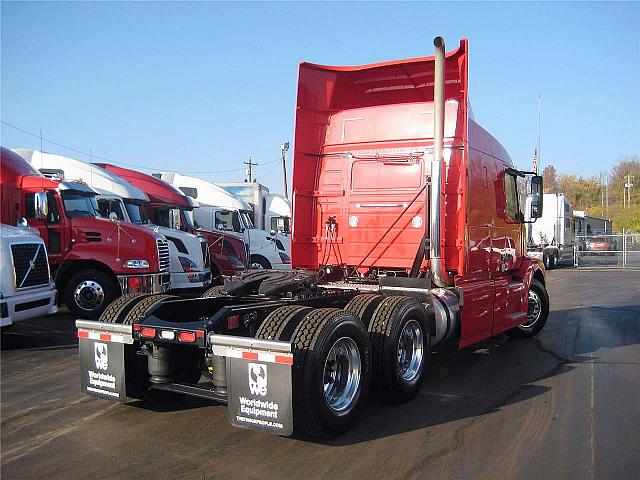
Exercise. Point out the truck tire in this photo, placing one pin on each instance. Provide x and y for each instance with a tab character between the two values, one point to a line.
258	261
118	309
213	292
331	367
537	313
400	347
549	262
272	326
89	292
137	375
363	306
141	308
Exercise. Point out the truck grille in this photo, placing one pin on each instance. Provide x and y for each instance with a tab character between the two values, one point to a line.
163	255
205	252
30	264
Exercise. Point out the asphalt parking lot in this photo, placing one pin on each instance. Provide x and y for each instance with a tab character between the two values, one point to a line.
563	405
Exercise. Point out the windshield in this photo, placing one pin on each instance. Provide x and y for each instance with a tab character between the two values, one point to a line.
246	218
190	220
79	205
136	214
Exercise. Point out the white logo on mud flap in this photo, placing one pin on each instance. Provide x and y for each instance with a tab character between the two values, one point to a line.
258	379
102	359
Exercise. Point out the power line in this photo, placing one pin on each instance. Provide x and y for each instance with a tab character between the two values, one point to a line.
93	155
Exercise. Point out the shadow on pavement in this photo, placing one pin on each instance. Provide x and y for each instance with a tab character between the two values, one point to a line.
48	333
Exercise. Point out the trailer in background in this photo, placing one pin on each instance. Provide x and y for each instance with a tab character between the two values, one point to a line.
552	238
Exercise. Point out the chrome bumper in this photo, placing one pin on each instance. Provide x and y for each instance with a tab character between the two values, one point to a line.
146	283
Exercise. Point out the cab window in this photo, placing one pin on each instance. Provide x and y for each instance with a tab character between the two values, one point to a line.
107	206
227	220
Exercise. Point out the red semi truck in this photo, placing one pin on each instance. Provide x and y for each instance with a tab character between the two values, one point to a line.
170	207
407	238
93	260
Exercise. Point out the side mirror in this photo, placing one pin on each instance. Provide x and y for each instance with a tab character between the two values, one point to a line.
534	198
22	223
41	205
113	216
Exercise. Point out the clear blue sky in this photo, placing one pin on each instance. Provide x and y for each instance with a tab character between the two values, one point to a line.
203	86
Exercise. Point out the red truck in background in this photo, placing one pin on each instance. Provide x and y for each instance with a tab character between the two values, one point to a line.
170	207
407	238
93	260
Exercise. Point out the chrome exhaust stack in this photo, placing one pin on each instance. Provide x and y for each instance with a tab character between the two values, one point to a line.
440	276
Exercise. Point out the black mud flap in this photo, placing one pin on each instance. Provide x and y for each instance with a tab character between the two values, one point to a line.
102	366
259	383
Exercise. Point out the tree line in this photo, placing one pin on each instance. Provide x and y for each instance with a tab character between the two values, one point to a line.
602	196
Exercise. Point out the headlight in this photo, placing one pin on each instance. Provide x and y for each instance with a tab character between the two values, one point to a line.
188	265
136	263
236	262
284	257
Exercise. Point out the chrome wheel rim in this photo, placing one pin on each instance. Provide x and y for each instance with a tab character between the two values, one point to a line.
89	295
410	351
341	374
257	266
534	310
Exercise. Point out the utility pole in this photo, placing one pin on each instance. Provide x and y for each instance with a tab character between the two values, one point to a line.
602	192
627	191
283	150
249	170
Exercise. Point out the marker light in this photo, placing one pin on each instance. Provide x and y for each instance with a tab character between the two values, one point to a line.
188	337
148	332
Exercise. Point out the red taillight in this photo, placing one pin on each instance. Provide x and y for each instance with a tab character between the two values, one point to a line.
148	332
136	327
188	337
233	322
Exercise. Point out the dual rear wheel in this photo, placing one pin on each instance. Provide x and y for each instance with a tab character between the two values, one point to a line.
338	354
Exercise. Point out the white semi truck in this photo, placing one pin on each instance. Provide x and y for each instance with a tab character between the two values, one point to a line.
552	238
26	288
271	211
220	210
189	261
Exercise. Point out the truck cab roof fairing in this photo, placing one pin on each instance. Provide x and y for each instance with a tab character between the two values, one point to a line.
157	190
381	109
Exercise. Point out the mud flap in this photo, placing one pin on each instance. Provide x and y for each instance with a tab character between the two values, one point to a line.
102	363
259	383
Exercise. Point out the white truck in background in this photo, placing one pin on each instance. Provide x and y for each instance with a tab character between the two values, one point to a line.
26	288
552	238
271	211
189	261
219	210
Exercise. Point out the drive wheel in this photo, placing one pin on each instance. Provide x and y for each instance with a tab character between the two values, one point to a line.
213	292
272	327
141	308
363	306
537	312
331	367
400	347
89	292
120	307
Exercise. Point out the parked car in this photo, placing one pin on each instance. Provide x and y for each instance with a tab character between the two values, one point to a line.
601	243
